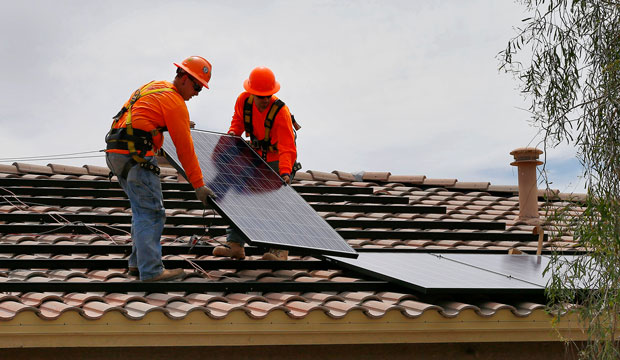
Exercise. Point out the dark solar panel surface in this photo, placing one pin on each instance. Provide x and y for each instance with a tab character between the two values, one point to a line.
454	273
254	198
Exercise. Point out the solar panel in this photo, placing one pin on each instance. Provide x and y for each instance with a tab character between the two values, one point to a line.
454	273
256	200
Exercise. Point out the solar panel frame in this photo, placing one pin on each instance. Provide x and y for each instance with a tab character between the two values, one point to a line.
270	213
440	274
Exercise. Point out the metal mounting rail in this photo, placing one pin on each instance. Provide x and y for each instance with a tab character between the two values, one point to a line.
437	235
194	286
166	185
190	195
94	218
86	192
217	220
93	184
105	184
106	264
409	234
389	209
497	193
318	189
417	224
56	249
116	229
195	204
94	202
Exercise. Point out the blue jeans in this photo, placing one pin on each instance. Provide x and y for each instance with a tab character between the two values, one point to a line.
148	214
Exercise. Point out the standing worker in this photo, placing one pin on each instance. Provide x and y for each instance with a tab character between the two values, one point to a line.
268	123
135	136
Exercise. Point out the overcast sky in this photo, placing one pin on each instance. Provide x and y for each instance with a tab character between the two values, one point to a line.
410	87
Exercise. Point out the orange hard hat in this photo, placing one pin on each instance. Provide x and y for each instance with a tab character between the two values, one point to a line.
262	82
198	67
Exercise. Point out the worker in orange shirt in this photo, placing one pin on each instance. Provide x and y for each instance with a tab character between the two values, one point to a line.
135	136
268	123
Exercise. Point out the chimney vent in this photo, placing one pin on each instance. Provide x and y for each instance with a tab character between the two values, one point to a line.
526	159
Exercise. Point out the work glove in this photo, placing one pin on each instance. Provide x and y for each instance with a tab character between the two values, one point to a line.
286	178
203	192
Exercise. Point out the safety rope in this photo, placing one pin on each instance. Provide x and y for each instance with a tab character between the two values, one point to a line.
53	157
58	218
63	222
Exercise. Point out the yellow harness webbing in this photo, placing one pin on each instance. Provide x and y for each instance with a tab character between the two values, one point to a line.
265	144
131	146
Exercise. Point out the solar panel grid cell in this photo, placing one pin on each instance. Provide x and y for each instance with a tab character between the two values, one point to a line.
256	200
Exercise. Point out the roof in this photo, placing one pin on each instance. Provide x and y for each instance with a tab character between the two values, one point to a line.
64	239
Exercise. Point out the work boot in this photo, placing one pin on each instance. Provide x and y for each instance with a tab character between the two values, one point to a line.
276	254
231	249
133	271
167	275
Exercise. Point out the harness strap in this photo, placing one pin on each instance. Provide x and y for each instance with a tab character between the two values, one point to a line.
247	115
119	139
271	115
139	157
264	144
146	165
137	142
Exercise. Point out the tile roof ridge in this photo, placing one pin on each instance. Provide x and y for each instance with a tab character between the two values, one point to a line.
323	176
345	176
440	182
9	169
409	179
33	169
573	197
376	175
386	176
473	185
84	171
67	169
300	176
97	170
504	188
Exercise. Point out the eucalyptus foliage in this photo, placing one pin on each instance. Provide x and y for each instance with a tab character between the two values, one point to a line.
566	56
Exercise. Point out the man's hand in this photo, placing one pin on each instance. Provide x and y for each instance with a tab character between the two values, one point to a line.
286	178
203	192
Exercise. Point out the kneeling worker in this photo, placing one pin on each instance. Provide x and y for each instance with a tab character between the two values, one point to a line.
137	132
268	123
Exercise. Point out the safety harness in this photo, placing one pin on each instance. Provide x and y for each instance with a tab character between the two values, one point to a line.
265	144
137	142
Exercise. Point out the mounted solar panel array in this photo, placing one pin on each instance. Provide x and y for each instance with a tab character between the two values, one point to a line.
255	199
454	273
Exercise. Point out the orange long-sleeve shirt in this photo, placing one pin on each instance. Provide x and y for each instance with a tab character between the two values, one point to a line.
166	109
281	132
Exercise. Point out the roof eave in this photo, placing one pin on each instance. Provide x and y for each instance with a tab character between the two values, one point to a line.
27	330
